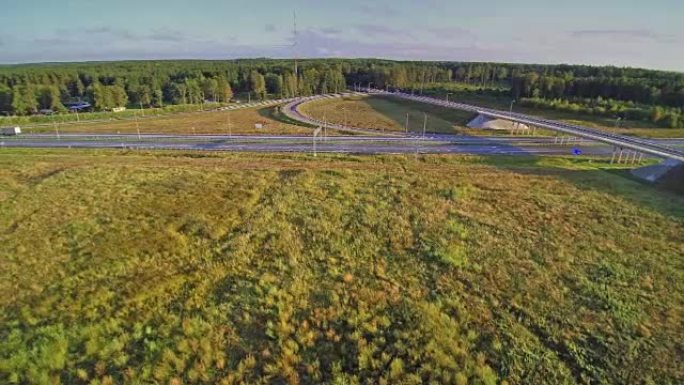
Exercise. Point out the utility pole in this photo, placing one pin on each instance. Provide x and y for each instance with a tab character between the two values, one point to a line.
315	134
230	128
617	124
424	124
294	48
137	125
55	125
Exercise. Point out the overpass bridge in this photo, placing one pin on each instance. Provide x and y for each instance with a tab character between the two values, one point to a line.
620	142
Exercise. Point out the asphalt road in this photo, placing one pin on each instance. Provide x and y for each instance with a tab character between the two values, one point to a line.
434	143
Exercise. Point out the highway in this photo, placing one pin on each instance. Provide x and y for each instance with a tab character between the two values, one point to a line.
432	144
644	146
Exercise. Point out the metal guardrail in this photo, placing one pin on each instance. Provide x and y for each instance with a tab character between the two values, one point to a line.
620	141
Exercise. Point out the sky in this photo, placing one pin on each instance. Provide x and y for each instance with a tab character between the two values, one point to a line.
633	33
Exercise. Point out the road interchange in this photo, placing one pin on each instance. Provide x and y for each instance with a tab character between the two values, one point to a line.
370	142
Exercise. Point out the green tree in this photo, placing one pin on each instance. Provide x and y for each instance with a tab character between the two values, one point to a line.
398	77
118	95
257	84
194	91
49	97
24	100
179	93
101	96
290	85
210	88
656	114
225	93
158	97
5	99
274	84
671	120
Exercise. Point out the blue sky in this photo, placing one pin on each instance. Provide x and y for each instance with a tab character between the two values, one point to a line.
619	32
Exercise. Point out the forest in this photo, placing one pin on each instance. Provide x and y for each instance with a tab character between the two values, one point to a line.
641	94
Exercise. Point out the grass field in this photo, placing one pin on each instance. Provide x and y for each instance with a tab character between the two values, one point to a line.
190	268
241	121
387	114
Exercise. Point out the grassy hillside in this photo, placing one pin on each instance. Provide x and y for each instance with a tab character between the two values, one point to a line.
203	268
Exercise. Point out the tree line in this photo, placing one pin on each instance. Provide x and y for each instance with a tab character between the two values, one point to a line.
26	89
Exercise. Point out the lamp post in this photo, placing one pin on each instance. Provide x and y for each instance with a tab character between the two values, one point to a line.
230	127
137	126
510	110
424	124
54	124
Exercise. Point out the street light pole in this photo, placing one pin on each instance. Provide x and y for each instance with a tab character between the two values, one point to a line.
55	125
230	127
137	126
510	110
424	124
315	134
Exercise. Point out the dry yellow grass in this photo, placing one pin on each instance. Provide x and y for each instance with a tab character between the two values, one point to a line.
241	121
386	114
196	268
